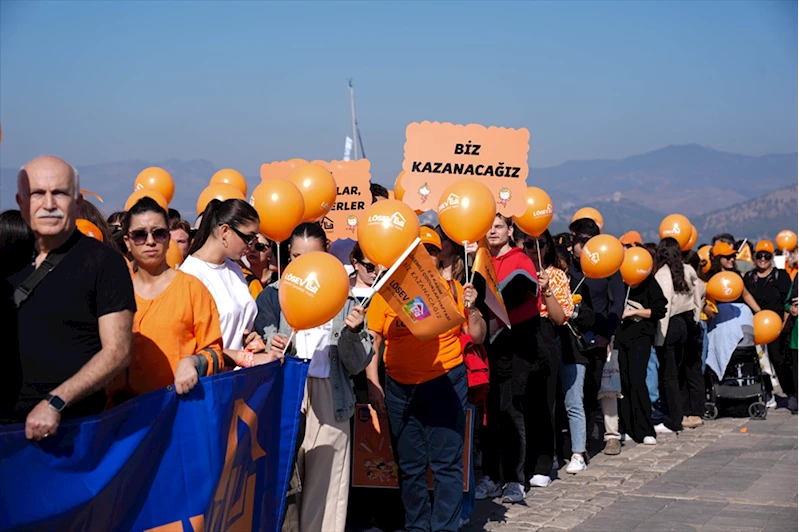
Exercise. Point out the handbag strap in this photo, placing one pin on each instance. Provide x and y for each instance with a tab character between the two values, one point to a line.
23	291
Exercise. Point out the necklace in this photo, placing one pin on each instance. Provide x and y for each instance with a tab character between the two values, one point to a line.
210	264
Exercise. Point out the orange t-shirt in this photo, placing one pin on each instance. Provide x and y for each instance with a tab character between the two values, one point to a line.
180	322
410	360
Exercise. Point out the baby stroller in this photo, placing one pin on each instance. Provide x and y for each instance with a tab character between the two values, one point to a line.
743	382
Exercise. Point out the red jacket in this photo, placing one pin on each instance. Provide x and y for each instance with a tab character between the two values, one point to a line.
516	262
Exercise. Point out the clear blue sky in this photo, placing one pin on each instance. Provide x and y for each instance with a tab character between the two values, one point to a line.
241	83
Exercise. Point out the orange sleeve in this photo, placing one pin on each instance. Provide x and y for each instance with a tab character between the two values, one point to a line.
376	314
559	284
256	288
207	331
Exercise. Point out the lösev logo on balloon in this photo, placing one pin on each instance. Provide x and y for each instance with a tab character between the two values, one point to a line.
396	220
310	284
545	212
592	256
453	200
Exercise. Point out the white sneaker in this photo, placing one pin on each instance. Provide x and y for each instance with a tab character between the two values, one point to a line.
771	402
514	492
487	489
650	440
663	429
540	481
576	465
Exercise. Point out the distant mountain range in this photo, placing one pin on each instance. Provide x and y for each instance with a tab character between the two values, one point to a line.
754	196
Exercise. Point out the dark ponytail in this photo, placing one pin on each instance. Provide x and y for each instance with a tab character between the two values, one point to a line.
232	212
669	254
308	231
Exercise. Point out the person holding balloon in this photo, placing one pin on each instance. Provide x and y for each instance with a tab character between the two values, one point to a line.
176	333
228	231
645	307
723	260
326	326
679	354
262	266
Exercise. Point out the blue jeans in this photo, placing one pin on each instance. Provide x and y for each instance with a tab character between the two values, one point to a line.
572	378
652	377
428	422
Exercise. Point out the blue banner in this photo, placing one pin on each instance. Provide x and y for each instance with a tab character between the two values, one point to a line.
217	458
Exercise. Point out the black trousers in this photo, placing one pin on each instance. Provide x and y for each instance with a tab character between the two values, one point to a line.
504	440
689	367
539	415
635	408
593	381
784	366
670	354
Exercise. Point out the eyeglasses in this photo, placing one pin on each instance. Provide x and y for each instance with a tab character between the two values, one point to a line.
139	236
580	239
248	239
370	268
763	255
260	247
530	244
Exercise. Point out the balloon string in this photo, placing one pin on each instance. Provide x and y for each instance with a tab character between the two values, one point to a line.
291	337
366	301
576	288
466	262
627	298
278	261
538	249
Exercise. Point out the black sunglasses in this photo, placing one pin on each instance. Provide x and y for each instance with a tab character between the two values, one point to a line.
579	239
248	239
370	268
763	255
260	247
139	236
530	244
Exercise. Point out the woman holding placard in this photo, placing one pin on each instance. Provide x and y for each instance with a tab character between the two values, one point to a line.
425	396
311	313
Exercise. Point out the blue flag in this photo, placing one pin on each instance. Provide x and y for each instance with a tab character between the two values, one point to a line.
217	458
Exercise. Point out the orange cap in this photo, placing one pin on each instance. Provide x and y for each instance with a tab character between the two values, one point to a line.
723	249
765	245
429	236
632	238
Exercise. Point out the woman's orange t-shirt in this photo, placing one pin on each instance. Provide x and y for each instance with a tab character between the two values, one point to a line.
408	359
180	322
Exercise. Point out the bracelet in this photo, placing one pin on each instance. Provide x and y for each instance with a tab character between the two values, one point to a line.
548	293
245	359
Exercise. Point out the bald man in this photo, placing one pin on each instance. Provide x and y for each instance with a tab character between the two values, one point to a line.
75	321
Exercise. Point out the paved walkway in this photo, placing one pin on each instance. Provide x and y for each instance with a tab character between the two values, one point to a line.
731	475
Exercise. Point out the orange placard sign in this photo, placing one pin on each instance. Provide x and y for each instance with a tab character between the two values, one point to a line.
373	464
438	155
353	195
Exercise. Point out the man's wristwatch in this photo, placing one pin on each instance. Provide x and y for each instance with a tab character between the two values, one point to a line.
56	403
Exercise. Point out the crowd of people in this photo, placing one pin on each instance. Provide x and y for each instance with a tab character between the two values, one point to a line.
97	321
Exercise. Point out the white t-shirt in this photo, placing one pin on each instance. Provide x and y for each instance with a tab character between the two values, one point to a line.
314	344
361	292
234	302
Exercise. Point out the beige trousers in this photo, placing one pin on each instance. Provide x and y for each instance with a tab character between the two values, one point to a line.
610	411
323	461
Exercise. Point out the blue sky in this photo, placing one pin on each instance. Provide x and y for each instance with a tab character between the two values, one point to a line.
241	83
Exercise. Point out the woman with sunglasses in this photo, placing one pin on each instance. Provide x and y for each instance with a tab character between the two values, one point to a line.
176	334
262	268
363	278
227	232
337	350
723	257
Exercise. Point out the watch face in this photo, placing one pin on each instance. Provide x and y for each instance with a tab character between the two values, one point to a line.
57	403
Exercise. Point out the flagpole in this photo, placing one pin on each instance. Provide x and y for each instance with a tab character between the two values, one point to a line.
354	123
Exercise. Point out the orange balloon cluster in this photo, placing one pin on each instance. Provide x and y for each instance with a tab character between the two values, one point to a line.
89	229
637	265
786	240
318	189
725	287
466	211
538	212
155	178
678	227
590	213
280	207
231	177
313	289
386	230
219	191
174	257
146	193
602	256
768	327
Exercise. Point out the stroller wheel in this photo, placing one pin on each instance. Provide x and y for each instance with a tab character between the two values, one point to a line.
711	411
758	410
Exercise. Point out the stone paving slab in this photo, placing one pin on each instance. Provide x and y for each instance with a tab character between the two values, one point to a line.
732	474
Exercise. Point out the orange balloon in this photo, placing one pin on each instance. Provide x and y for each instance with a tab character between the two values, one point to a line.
692	240
313	290
158	179
399	191
89	229
280	208
704	254
637	265
174	257
220	191
146	193
385	231
602	256
538	216
768	327
678	227
231	177
318	189
466	211
786	240
725	287
591	213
